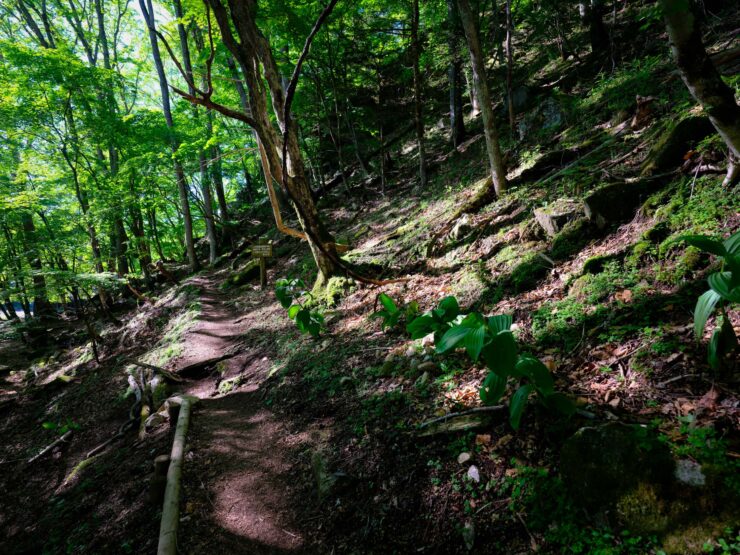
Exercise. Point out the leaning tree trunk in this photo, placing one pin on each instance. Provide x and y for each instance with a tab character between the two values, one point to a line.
498	174
417	93
253	53
454	75
703	80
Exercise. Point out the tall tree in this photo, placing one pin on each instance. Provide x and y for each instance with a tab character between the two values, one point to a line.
418	113
454	75
282	155
182	185
498	174
702	79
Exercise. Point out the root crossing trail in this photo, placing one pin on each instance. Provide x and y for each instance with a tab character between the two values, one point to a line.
235	496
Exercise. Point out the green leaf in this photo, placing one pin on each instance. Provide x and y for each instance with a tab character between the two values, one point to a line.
450	308
713	353
732	244
49	426
704	308
451	338
518	404
421	326
560	402
537	373
474	341
293	311
303	319
499	323
704	243
388	303
500	354
721	283
492	388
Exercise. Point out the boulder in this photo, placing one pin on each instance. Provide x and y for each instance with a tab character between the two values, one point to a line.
675	142
461	228
552	218
249	272
601	464
618	202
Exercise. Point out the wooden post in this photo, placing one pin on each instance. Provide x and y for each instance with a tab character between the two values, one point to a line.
261	251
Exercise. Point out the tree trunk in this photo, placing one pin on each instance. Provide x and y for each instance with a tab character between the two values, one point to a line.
182	186
509	65
454	75
703	80
253	51
498	174
41	307
416	47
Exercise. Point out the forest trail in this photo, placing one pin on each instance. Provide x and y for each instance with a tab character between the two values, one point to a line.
235	484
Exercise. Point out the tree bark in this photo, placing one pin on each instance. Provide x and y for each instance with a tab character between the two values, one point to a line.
41	307
454	75
509	65
416	47
251	52
703	80
498	174
182	186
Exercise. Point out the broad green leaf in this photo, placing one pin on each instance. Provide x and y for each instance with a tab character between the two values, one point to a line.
450	307
704	243
732	243
500	354
499	323
293	311
537	373
421	326
721	283
518	404
388	303
474	341
560	402
492	388
451	338
704	308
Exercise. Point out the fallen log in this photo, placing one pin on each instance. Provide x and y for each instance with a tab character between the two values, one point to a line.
166	373
171	506
196	367
51	446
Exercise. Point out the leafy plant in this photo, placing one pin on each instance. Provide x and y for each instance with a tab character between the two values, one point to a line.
392	314
436	321
60	428
289	293
724	289
492	340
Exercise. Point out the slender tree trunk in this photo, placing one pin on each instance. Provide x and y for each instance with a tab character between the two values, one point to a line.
509	66
41	307
454	76
498	174
182	186
703	80
475	100
416	47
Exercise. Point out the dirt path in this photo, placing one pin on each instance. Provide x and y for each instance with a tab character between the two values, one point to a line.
236	494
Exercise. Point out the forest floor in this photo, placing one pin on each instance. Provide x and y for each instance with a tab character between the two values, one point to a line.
315	445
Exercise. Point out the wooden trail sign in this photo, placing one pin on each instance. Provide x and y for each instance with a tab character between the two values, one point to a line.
261	251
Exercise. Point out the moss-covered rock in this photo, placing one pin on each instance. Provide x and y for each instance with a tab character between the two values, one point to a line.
601	464
675	141
249	272
572	238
